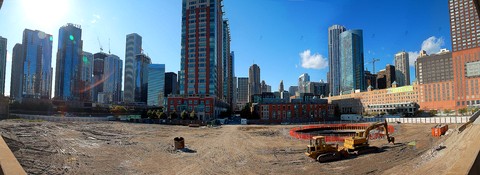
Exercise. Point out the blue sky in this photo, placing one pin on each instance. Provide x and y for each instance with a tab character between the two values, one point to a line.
271	33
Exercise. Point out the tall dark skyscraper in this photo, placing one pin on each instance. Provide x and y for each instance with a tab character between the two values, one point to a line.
254	86
68	84
464	26
132	49
3	62
37	64
334	58
16	80
170	83
141	77
352	61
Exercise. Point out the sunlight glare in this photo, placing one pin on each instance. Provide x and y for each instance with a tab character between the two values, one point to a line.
45	13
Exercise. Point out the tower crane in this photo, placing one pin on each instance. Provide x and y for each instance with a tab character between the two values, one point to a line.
373	63
100	44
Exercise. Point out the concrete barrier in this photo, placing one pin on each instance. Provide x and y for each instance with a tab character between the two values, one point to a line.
9	165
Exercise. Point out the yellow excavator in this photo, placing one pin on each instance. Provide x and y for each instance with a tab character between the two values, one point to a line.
359	144
321	151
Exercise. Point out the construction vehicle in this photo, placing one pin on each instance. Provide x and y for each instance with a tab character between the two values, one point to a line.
321	151
359	144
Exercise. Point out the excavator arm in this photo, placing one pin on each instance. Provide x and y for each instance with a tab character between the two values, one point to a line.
366	133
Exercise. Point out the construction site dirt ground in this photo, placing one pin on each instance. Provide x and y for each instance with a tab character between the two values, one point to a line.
126	148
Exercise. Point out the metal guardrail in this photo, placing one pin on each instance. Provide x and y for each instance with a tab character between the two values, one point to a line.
61	119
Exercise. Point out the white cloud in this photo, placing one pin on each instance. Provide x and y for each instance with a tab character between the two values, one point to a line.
431	45
95	18
315	61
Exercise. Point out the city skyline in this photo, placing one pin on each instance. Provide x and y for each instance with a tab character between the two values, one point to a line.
252	44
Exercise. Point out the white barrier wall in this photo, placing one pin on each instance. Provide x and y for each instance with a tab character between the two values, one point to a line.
429	120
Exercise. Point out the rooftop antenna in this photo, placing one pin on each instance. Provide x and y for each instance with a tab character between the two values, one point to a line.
109	46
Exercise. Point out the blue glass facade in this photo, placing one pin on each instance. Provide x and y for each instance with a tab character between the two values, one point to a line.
86	76
352	61
37	65
3	62
68	83
112	76
156	84
334	58
141	77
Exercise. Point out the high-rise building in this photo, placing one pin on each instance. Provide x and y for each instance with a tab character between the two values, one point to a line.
98	74
107	75
37	64
334	58
16	82
3	62
201	52
231	88
112	86
132	49
435	78
263	86
386	77
225	82
317	88
86	77
201	76
170	83
281	88
140	75
464	22
254	86
293	90
402	68
68	84
302	82
352	61
242	92
156	84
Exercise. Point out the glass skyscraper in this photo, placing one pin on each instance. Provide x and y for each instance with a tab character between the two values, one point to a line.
141	77
112	75
86	77
132	49
16	80
3	62
334	58
156	84
352	61
68	84
107	78
37	64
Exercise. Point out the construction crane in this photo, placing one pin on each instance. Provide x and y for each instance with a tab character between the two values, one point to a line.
373	63
100	44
